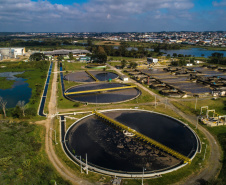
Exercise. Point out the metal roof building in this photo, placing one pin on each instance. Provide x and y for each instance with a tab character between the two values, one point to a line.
66	52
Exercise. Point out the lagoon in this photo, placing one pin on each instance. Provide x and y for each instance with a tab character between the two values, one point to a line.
19	91
196	52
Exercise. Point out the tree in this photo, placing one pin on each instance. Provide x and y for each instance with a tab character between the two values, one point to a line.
3	105
89	42
71	56
60	58
174	55
217	58
22	106
37	57
133	65
123	63
168	56
99	56
17	113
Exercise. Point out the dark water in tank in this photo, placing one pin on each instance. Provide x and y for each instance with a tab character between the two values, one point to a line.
19	91
103	97
84	77
103	144
105	76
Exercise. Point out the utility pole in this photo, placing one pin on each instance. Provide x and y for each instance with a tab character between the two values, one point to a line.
143	176
195	102
86	165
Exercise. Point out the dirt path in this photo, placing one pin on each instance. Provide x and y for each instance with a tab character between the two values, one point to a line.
62	170
214	164
207	173
214	161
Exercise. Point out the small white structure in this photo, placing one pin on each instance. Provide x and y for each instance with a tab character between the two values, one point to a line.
151	60
189	64
124	78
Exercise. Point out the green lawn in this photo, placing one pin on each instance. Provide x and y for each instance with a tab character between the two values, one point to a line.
218	132
69	66
22	156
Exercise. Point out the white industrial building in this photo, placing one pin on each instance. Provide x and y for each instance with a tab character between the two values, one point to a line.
151	60
7	53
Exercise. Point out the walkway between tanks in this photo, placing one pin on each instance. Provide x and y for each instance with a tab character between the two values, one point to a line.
214	164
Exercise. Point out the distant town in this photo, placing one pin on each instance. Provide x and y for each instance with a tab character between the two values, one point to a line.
184	37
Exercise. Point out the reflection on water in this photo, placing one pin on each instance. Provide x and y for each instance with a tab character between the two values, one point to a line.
84	77
109	148
19	91
103	97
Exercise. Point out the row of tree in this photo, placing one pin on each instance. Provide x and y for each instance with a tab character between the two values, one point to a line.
217	58
20	111
123	50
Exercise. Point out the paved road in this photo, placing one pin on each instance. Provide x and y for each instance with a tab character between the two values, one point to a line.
214	164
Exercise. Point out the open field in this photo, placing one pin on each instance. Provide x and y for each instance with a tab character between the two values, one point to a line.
112	43
73	66
22	156
218	132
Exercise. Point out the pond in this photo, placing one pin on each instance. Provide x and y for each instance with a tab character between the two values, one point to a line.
197	52
19	91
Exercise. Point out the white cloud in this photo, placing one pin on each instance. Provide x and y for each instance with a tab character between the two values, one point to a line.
222	3
95	14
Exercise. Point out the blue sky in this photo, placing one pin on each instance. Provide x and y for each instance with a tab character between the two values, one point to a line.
112	15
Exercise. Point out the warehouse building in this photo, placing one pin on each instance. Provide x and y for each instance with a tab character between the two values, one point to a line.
7	53
63	52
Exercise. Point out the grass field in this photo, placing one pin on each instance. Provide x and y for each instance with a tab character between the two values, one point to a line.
219	132
22	156
69	66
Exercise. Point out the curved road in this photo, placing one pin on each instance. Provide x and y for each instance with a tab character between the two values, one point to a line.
214	164
206	174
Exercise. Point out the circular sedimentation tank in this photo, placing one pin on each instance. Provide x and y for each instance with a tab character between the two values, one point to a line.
111	151
102	97
82	76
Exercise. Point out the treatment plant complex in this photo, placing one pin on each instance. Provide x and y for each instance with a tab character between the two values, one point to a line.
124	130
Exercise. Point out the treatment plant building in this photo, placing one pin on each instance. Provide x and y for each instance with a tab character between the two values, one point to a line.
7	53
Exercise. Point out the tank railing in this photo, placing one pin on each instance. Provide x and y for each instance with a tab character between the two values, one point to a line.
92	76
100	90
